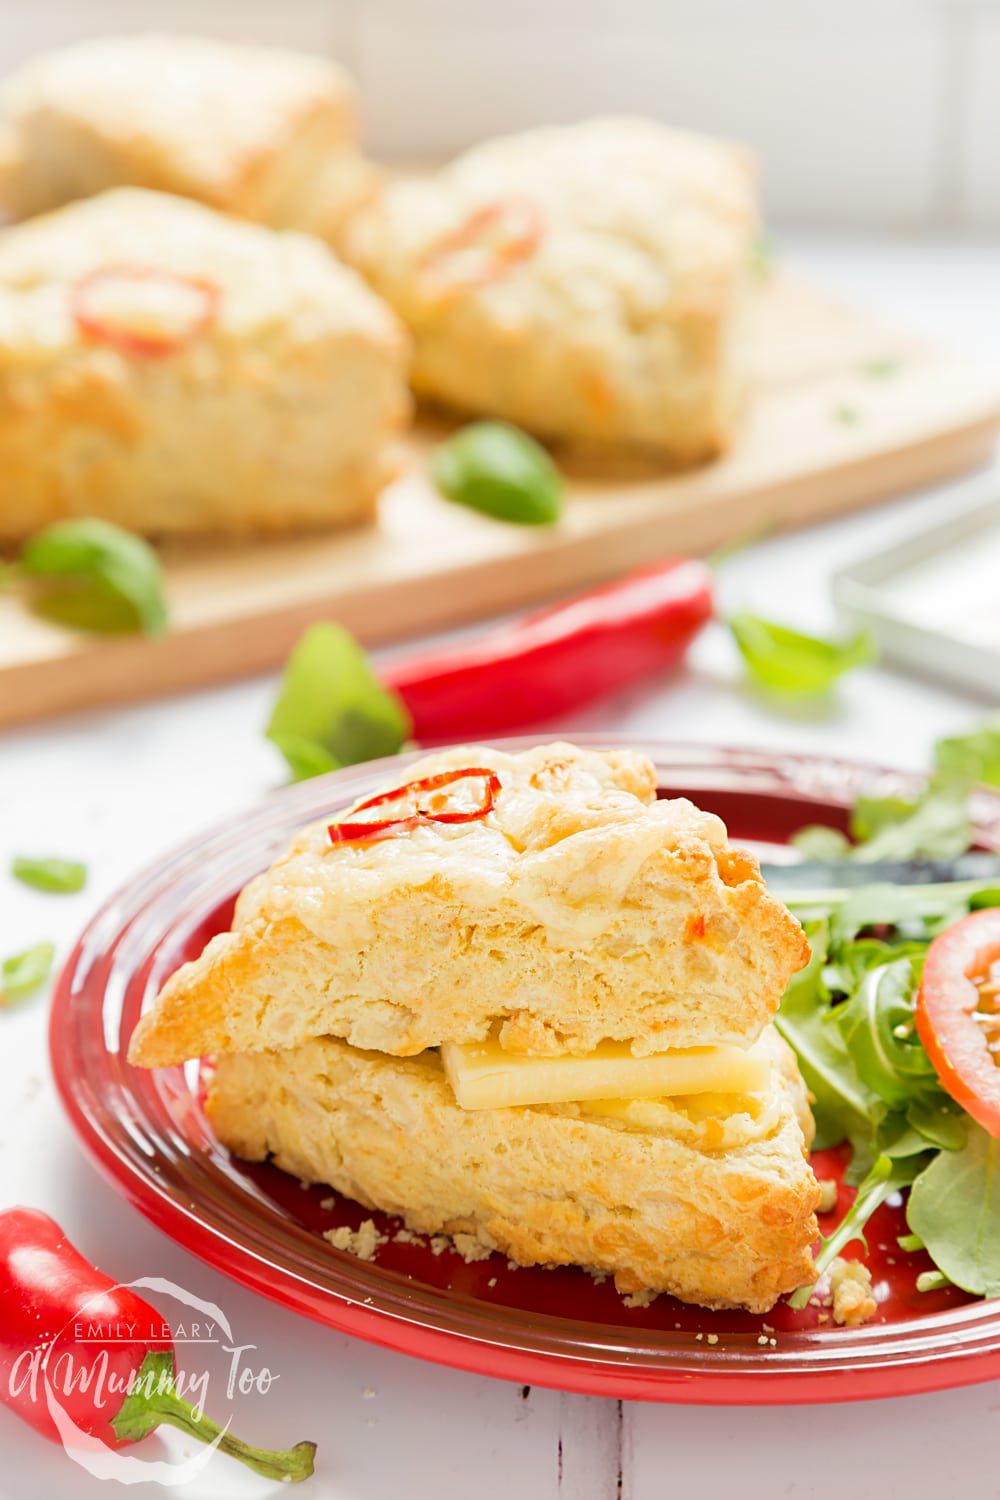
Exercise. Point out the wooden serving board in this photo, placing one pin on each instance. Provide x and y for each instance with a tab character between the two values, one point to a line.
847	412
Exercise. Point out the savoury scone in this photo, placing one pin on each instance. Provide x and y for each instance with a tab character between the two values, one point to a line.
587	282
546	898
179	372
708	1198
254	131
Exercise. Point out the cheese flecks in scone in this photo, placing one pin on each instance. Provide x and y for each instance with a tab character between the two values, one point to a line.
657	1204
580	909
178	372
587	282
258	132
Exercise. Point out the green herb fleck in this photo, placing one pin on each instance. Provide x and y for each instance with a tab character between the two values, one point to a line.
92	575
790	662
24	973
883	367
59	876
846	415
501	471
763	256
331	709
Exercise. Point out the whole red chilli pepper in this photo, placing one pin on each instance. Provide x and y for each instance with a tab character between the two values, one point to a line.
117	1387
555	661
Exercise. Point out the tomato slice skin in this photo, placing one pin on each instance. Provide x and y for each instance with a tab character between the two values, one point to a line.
946	1001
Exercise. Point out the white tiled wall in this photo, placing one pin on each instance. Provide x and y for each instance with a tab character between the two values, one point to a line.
883	113
979	147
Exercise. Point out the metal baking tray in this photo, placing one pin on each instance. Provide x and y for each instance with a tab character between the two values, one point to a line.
933	601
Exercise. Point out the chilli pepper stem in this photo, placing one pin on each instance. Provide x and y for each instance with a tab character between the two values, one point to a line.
154	1400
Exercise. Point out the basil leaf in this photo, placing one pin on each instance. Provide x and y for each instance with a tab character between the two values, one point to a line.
58	876
96	576
954	1207
974	756
877	1026
787	661
501	471
24	973
331	709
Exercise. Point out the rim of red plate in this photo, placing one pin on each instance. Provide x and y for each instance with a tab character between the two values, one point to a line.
146	1132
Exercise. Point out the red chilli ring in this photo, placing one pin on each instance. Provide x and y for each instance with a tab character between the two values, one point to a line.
355	832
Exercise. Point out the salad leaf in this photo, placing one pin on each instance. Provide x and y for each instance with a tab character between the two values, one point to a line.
919	911
878	1029
954	1207
843	1105
896	1137
974	756
96	576
59	876
331	709
24	973
886	1177
940	1121
498	469
817	841
935	826
788	661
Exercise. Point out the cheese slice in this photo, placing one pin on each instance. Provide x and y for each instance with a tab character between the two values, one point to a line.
484	1076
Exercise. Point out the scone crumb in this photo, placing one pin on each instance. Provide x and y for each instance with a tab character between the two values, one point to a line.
368	1393
439	1243
362	1242
645	1298
712	1338
492	1281
470	1248
851	1284
762	1339
827	1196
407	1237
328	1203
598	1277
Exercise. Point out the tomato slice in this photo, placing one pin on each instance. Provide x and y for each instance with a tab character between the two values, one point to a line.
958	1014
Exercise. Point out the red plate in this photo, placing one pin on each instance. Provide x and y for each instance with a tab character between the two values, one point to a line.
147	1132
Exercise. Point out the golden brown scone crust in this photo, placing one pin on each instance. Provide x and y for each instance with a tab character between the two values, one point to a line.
254	131
280	414
580	909
622	326
649	1203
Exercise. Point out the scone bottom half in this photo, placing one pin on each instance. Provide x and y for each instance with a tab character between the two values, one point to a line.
525	941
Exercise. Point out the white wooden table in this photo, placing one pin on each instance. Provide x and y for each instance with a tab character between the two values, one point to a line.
118	789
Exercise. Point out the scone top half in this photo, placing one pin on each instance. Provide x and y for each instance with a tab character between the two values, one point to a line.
577	909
